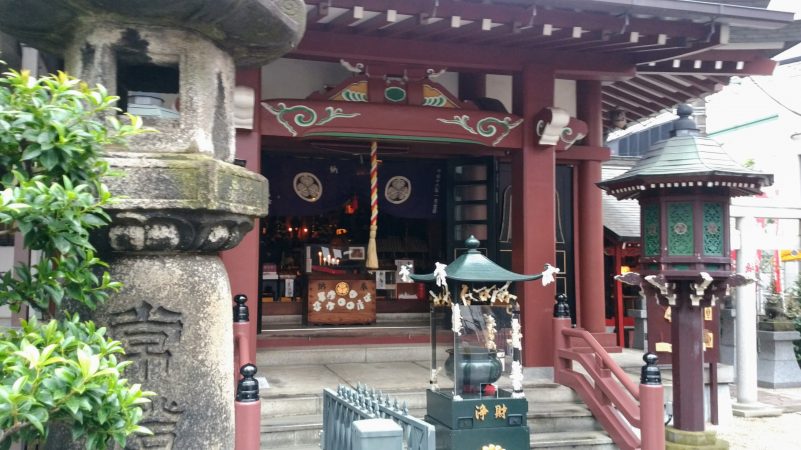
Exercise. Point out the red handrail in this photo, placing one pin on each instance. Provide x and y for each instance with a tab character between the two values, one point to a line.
614	399
247	406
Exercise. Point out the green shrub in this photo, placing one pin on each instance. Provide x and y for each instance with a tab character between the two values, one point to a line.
65	371
52	134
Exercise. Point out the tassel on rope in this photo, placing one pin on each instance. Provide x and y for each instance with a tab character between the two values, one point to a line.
372	252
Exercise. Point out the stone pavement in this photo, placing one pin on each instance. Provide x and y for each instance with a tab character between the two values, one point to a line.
788	399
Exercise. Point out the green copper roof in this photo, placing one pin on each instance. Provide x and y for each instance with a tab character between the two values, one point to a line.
474	267
687	156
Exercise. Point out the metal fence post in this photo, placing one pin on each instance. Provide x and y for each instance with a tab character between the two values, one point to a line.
561	321
652	405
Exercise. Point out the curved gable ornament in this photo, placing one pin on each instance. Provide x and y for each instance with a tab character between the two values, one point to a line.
487	127
556	127
549	129
304	116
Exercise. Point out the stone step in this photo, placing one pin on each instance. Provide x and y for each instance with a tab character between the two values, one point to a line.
574	440
537	393
317	334
293	356
296	320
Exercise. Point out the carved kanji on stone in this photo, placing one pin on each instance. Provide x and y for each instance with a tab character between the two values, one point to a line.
161	416
148	335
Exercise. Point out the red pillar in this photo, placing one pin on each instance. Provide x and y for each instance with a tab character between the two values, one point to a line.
242	262
590	248
533	221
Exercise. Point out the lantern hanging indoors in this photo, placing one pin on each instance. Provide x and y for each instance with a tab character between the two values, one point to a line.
476	339
684	185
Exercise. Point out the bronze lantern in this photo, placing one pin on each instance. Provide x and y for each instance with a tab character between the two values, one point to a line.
684	185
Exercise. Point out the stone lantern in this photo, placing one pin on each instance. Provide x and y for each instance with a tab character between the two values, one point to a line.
684	185
183	201
475	321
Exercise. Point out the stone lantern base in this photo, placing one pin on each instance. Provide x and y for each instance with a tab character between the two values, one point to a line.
676	439
777	366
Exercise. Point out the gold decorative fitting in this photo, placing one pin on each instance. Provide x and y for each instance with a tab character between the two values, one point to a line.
342	288
492	447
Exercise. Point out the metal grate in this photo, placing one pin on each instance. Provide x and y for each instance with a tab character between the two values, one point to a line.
345	405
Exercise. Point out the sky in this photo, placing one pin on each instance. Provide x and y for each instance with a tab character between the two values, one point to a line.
789	6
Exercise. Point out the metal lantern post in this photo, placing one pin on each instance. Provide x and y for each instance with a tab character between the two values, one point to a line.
475	338
684	185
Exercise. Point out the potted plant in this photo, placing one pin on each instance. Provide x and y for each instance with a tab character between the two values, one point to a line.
58	368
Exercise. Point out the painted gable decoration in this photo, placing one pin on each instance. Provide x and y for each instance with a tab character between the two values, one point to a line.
353	92
396	103
393	85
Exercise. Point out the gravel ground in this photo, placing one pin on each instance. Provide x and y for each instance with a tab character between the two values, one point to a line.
767	433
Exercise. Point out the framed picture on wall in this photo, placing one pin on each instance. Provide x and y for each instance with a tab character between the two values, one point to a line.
356	253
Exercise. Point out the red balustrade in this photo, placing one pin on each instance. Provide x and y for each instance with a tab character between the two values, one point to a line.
617	402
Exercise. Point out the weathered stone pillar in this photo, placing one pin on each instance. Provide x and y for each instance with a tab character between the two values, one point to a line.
183	201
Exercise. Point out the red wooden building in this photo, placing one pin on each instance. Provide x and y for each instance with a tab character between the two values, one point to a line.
499	110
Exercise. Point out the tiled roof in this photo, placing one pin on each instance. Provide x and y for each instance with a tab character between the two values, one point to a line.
686	160
688	155
621	217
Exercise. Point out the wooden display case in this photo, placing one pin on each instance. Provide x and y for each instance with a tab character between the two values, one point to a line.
340	300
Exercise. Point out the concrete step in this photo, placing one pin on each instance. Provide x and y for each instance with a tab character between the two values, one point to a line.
537	393
574	440
295	356
541	441
561	416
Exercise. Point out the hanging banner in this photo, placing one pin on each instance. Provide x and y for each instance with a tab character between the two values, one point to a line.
308	186
311	186
412	190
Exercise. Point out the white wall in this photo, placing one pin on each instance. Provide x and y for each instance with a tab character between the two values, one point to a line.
499	87
295	78
564	96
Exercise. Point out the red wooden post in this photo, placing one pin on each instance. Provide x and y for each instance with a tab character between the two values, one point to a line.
652	405
534	222
242	262
590	250
247	411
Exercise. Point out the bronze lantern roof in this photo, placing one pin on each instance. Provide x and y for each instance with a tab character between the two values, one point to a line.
474	267
686	160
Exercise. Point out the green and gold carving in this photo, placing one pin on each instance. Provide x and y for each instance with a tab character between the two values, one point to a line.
680	229
713	229
651	229
303	116
486	127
